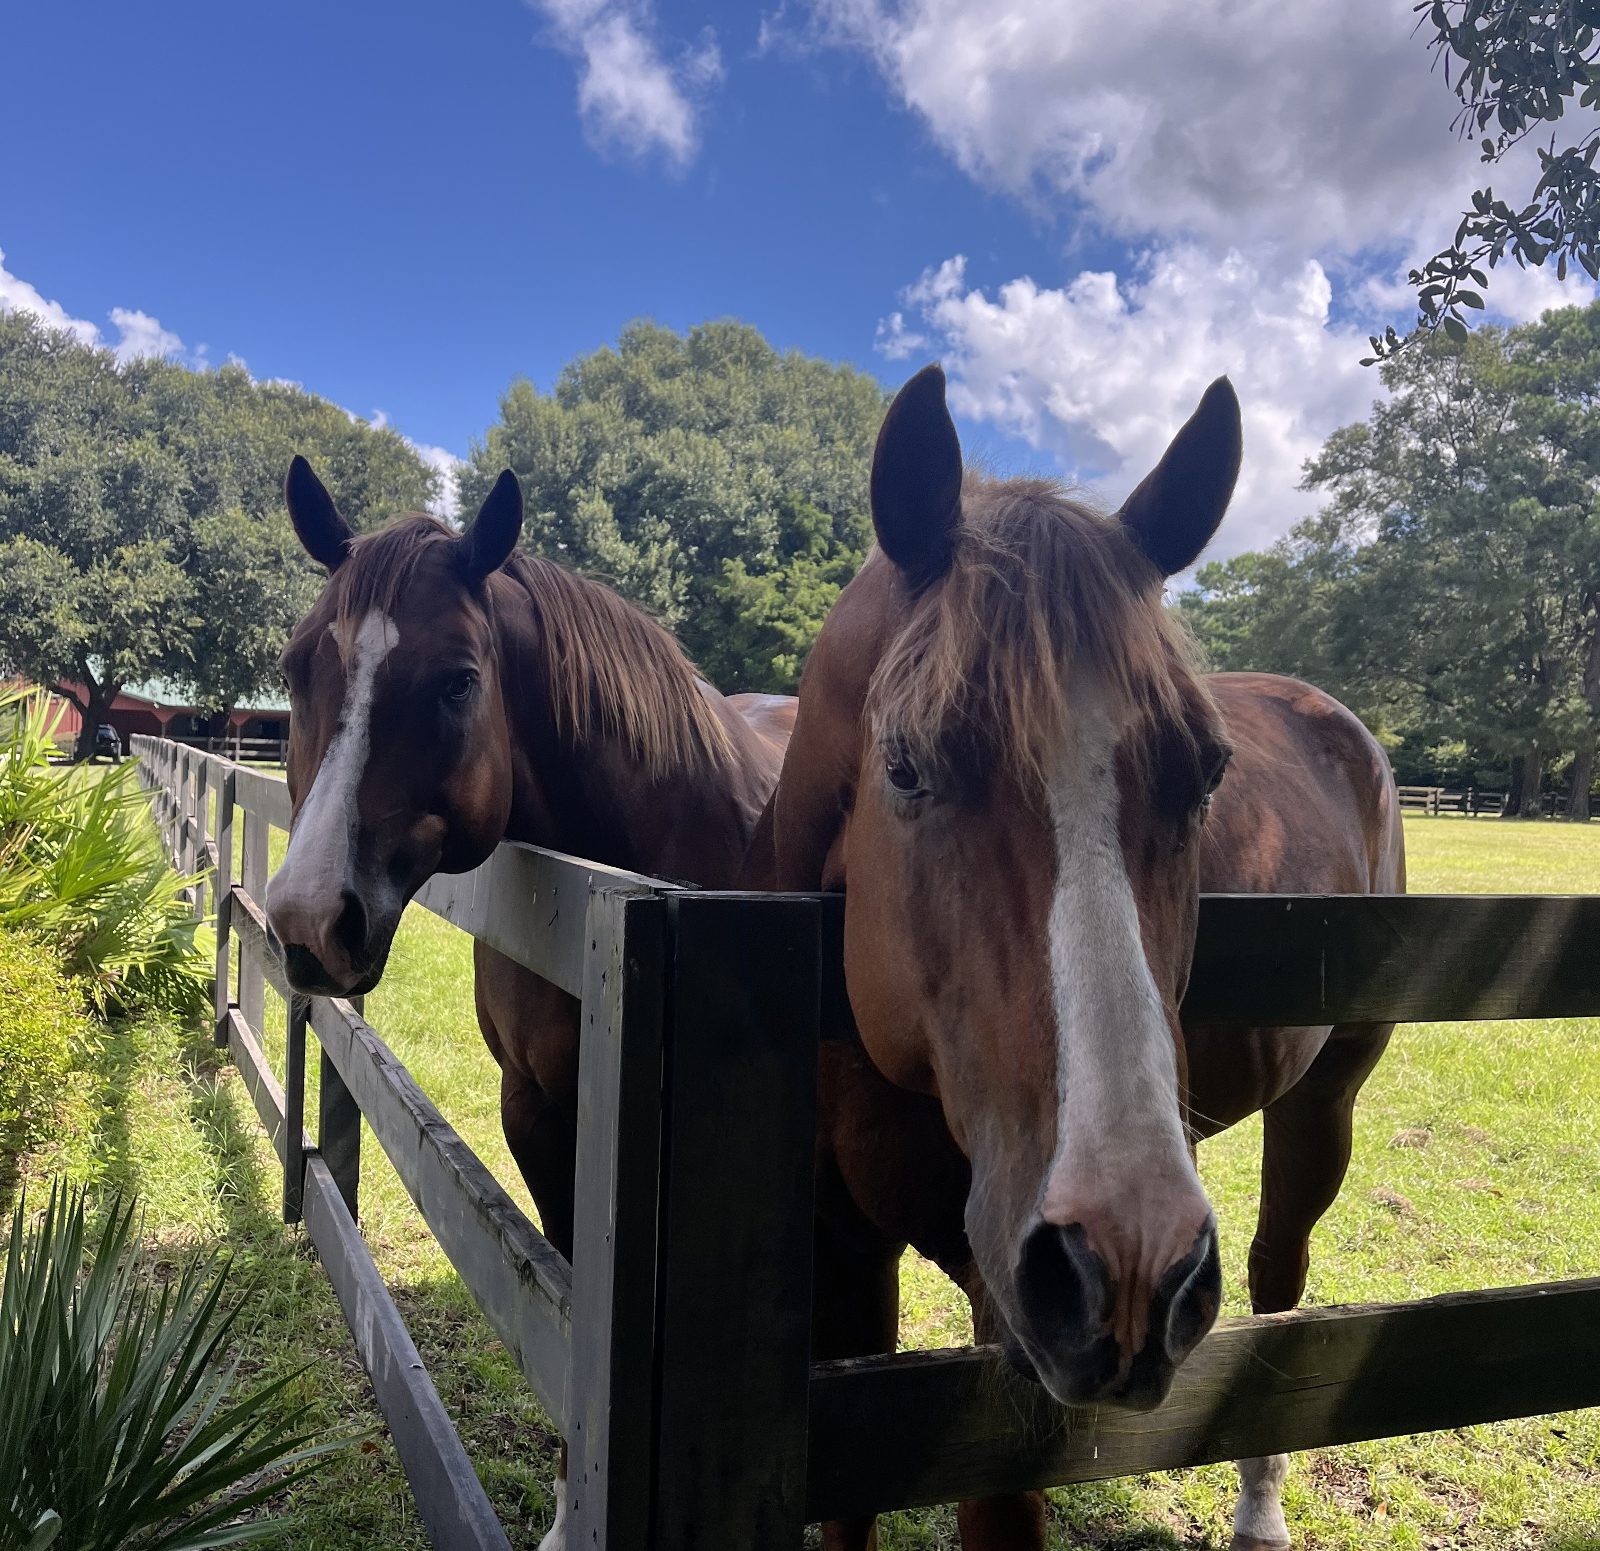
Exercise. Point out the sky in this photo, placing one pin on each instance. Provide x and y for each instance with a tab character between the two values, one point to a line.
1086	210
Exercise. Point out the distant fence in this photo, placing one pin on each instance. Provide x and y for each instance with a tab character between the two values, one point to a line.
1472	801
674	1352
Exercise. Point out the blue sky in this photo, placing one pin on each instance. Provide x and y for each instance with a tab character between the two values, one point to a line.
1086	211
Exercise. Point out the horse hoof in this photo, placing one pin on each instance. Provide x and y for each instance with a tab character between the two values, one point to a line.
1251	1543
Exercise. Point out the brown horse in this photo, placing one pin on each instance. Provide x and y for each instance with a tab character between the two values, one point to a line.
1006	758
449	692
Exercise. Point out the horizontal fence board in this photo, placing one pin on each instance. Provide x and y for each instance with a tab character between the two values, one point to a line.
1308	959
921	1428
450	1499
519	1281
261	794
530	905
265	1091
1271	959
250	927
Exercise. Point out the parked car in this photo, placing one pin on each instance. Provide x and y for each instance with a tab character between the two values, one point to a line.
107	740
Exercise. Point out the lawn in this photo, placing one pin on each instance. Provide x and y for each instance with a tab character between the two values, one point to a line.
1474	1166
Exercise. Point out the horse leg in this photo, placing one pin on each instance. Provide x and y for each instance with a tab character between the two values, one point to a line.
855	1313
1305	1153
1014	1522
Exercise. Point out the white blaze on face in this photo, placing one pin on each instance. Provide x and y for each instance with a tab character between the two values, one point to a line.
1120	1143
321	855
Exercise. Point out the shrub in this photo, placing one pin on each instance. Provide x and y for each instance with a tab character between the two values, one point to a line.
122	1427
81	867
37	1029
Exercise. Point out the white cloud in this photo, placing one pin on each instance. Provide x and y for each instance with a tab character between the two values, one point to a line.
1229	121
630	96
138	334
141	335
1102	370
1274	169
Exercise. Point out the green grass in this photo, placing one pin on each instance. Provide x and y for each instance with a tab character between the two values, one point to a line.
1474	1166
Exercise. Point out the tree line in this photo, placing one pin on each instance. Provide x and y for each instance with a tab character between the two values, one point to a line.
1449	588
717	481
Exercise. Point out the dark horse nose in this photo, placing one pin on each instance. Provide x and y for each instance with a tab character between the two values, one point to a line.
1070	1297
321	956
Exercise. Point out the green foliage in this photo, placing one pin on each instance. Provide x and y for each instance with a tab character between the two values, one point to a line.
1450	591
712	479
1518	65
82	870
122	1426
142	529
37	1034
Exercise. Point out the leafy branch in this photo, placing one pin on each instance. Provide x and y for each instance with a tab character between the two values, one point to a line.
1517	65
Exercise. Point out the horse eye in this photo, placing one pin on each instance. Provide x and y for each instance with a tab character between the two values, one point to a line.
902	774
1218	770
460	688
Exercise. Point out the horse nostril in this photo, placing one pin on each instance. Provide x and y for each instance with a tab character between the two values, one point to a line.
350	929
1063	1285
1193	1291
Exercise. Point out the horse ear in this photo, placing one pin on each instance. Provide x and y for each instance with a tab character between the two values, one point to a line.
916	479
488	543
1178	505
317	522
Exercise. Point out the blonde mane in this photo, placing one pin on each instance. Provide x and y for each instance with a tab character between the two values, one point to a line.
609	667
1037	583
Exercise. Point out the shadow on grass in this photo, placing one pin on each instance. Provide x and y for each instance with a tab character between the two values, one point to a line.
362	1499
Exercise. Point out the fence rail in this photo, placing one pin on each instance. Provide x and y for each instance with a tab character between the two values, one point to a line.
701	1015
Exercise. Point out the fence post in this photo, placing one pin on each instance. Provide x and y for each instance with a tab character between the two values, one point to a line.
222	902
734	1271
294	1107
202	834
339	1127
611	1405
253	879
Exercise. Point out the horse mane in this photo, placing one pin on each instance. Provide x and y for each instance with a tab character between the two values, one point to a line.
609	667
1037	583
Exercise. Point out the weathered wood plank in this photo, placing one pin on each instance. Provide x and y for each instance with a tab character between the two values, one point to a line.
522	1285
266	1093
255	957
450	1500
530	905
262	794
252	887
222	899
1312	959
339	1134
297	1018
610	1427
735	1269
1264	959
932	1427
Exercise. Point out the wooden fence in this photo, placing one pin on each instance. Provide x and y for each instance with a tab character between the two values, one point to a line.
1472	801
673	1352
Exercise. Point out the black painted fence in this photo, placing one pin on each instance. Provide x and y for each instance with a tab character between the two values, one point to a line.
674	1351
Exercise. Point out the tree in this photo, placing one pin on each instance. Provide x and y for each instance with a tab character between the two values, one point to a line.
1448	592
1518	65
142	533
715	481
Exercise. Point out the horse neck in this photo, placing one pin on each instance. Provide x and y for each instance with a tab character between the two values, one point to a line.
594	797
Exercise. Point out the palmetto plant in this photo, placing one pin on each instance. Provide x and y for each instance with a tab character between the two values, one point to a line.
123	1426
81	866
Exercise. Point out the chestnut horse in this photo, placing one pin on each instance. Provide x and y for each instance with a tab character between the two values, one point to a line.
449	692
1008	760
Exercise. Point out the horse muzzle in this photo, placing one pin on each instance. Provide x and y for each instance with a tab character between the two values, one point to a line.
1096	1331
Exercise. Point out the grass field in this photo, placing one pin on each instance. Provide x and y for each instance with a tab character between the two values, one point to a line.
1474	1166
